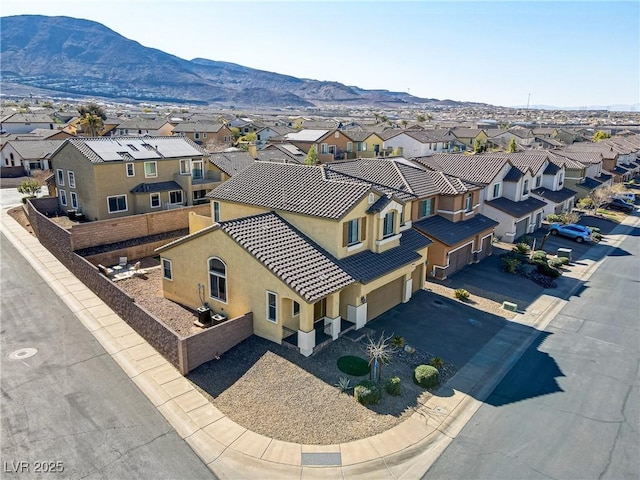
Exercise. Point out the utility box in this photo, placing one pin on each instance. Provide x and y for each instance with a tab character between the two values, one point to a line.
564	252
204	315
512	307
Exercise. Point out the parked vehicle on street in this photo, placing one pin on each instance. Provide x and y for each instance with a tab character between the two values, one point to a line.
627	196
620	204
579	233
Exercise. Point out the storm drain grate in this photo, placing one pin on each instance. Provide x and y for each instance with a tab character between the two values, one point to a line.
22	353
323	459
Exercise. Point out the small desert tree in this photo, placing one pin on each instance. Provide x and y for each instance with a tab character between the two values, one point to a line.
477	146
312	156
599	196
380	352
569	217
600	135
29	187
513	146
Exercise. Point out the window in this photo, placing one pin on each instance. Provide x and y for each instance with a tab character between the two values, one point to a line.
175	196
74	200
538	181
468	202
349	147
196	135
63	198
359	146
272	307
154	198
199	194
150	169
337	134
353	231
167	271
296	308
426	207
184	166
217	279
60	178
117	203
131	171
216	211
496	190
388	226
525	187
197	170
204	134
323	148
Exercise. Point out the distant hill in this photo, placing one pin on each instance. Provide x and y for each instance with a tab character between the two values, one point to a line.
81	57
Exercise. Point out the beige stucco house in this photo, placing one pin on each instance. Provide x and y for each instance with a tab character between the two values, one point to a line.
110	177
309	254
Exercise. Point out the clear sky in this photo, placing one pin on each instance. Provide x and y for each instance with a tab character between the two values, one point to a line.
565	54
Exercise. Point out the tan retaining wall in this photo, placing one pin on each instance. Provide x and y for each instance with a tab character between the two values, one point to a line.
204	346
104	232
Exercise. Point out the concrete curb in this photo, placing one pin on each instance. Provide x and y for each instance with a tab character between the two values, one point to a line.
231	451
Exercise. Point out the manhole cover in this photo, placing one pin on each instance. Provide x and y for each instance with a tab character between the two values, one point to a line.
22	354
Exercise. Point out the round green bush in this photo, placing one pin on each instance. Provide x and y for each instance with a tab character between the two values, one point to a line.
352	365
426	376
393	386
539	255
545	269
367	392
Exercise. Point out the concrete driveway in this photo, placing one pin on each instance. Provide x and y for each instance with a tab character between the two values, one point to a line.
441	326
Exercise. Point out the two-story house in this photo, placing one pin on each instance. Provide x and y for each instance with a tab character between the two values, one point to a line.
368	144
506	190
310	256
203	133
443	208
418	143
466	138
110	177
330	145
548	181
31	154
25	122
143	127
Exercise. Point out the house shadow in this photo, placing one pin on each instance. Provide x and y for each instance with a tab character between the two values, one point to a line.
521	384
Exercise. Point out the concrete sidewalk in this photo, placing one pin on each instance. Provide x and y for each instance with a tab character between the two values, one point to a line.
231	451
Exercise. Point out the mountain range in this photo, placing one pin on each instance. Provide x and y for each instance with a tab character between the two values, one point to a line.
72	56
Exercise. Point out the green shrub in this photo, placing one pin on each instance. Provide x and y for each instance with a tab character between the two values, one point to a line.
545	269
355	366
556	263
426	376
436	362
594	229
393	386
553	218
563	260
521	248
367	392
585	203
539	255
397	341
510	264
461	294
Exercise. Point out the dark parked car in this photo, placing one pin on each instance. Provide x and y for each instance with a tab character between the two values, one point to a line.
578	232
619	204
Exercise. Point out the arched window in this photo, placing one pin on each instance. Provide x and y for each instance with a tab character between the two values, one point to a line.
217	279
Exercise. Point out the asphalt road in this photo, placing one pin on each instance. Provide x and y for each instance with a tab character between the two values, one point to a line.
570	408
70	404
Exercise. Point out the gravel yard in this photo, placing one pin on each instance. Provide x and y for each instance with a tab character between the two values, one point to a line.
273	390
